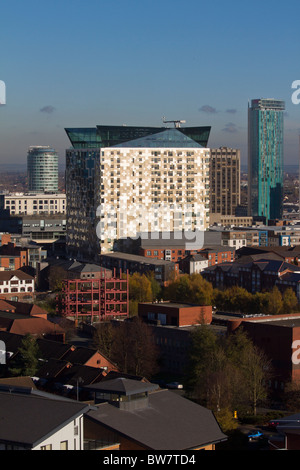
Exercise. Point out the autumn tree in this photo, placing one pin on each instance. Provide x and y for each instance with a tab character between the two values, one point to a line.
290	301
142	288
190	288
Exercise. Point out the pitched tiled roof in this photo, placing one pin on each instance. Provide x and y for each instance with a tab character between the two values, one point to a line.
31	325
7	275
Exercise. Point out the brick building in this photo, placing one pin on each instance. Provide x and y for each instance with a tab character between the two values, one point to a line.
277	336
175	314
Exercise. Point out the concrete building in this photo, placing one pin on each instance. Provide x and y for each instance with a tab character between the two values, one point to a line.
35	203
224	180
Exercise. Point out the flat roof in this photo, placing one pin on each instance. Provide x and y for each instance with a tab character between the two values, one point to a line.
172	304
136	258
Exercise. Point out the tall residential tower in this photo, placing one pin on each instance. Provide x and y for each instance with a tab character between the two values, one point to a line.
225	193
265	158
135	180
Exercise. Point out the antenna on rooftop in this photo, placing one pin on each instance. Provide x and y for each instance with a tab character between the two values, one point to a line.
176	122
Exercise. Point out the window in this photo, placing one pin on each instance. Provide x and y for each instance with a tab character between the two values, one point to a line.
64	445
47	447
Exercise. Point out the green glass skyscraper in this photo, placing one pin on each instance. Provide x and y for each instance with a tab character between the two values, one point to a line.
265	158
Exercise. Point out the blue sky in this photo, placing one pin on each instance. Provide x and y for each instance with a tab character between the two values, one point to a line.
74	63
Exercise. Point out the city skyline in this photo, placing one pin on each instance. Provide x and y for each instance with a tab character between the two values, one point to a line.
76	64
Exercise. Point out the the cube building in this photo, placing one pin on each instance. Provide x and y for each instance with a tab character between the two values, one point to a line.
122	181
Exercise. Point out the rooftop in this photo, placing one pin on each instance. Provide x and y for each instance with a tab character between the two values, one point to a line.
169	422
21	412
168	138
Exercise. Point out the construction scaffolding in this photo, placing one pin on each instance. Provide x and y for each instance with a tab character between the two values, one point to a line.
95	300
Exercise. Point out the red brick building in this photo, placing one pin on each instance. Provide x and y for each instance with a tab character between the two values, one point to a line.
279	337
214	255
168	313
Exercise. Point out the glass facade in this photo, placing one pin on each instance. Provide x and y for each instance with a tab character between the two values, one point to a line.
42	169
108	136
265	158
137	185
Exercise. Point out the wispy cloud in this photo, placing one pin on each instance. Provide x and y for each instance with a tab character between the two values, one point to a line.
230	127
231	111
208	109
47	109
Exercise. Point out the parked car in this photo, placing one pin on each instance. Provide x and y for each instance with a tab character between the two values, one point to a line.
252	436
273	424
175	385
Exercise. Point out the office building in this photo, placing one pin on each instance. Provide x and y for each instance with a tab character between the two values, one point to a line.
265	158
42	169
34	203
156	182
225	194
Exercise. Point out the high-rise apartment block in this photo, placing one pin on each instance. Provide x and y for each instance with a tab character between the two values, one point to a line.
265	158
156	182
42	169
225	194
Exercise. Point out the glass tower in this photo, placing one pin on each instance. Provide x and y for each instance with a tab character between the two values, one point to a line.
42	169
265	158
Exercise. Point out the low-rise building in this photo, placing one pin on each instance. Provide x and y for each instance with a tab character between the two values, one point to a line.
175	314
33	420
137	415
278	336
34	203
164	271
17	285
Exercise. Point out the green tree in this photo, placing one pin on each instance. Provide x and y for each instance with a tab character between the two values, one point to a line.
27	358
226	372
203	346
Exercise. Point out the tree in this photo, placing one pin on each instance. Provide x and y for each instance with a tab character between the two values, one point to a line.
130	345
103	338
190	288
226	372
140	290
290	301
255	371
291	396
26	361
203	347
275	302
